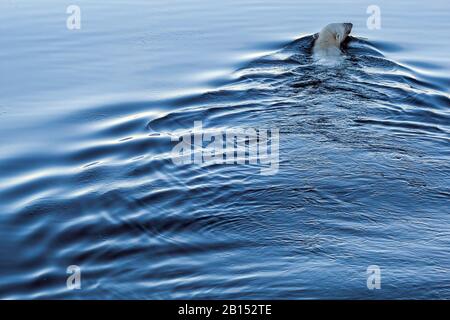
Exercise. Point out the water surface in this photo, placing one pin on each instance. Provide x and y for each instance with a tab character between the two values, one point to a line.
87	177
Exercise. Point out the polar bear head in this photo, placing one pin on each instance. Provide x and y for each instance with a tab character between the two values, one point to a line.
332	36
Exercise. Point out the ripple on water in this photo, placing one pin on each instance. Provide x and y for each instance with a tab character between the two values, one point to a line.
361	144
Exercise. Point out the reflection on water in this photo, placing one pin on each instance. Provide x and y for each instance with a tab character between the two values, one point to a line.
86	153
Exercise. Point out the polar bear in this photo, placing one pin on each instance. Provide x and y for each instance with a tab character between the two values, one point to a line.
329	40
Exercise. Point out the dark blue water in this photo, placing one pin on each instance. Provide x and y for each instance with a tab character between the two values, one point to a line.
87	175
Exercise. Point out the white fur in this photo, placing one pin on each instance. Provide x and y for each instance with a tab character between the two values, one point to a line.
329	40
